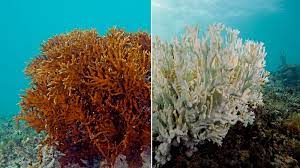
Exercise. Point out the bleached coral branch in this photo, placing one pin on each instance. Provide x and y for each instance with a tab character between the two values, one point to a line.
203	85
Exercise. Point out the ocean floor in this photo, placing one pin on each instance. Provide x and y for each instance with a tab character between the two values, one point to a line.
18	146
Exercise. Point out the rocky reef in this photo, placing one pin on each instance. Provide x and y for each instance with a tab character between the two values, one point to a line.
18	146
90	95
21	148
288	76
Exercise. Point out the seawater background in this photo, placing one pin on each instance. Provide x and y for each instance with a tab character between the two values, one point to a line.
24	25
274	22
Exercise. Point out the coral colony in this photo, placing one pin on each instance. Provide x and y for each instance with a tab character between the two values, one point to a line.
202	86
91	95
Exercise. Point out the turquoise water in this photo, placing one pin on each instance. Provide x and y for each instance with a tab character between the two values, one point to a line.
26	24
274	22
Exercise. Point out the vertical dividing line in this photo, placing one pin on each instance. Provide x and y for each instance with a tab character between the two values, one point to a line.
151	94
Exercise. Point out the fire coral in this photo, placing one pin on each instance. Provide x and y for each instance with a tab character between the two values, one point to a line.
202	85
91	95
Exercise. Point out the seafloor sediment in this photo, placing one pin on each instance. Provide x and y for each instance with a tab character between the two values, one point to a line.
18	146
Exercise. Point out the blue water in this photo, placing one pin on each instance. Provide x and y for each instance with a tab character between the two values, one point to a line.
274	22
24	25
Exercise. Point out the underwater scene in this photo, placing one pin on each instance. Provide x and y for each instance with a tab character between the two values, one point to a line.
152	83
225	84
76	84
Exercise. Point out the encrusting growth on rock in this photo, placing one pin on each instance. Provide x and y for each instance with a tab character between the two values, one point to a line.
91	95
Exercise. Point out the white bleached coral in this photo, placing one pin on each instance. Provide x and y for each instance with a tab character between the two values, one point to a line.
204	85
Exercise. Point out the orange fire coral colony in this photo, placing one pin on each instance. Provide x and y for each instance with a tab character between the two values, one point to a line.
91	95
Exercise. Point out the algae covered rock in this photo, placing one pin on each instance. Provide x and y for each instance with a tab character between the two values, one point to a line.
288	76
18	146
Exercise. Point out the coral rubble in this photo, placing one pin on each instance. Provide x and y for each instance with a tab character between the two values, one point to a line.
18	146
202	86
91	95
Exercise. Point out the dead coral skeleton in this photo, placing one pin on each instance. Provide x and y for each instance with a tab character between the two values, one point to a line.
203	85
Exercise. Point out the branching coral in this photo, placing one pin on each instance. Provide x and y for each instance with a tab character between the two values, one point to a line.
91	95
204	85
